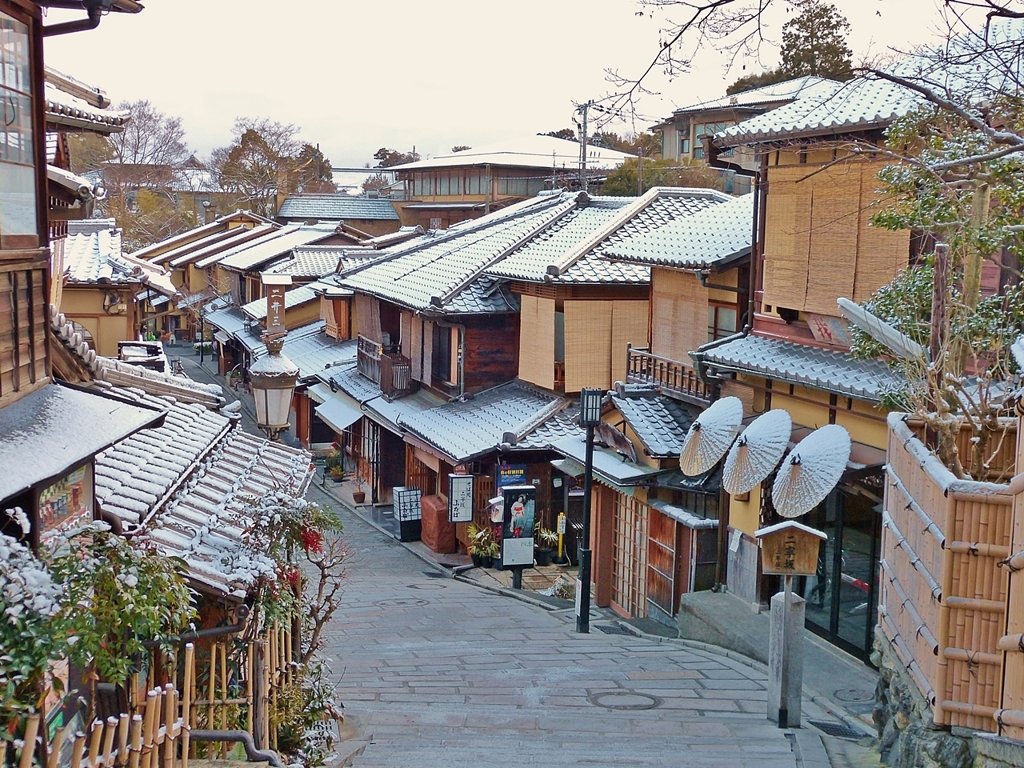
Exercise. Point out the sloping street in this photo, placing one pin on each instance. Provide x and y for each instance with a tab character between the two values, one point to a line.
437	672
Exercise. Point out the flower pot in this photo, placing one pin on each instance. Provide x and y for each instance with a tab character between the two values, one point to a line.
358	497
486	561
478	560
542	555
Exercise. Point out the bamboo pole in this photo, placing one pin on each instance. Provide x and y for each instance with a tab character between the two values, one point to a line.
95	739
108	740
149	728
29	749
78	749
123	722
186	702
3	752
941	667
250	674
170	714
135	741
55	748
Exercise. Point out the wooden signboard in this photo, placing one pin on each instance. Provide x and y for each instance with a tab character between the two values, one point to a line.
460	498
790	549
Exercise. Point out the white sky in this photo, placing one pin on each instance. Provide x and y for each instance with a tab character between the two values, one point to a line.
357	75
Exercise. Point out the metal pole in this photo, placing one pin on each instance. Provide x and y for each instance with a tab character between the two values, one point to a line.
583	583
517	578
583	149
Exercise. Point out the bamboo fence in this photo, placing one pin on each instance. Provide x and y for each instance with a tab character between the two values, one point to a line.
1010	715
944	596
158	737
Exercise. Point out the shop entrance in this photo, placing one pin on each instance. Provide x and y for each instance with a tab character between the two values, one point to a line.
842	597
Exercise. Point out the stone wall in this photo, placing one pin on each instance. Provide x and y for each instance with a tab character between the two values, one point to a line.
907	737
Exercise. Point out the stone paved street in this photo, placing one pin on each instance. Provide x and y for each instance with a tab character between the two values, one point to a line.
438	672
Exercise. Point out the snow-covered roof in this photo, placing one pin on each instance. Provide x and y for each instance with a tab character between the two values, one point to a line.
275	245
660	422
70	112
336	207
54	428
176	247
765	95
303	294
525	152
95	257
571	249
710	237
320	260
828	370
465	430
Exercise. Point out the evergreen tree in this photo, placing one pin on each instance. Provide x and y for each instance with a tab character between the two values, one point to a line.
814	42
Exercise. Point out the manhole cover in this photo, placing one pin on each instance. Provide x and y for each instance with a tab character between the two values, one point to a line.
839	730
400	601
611	629
854	694
624	700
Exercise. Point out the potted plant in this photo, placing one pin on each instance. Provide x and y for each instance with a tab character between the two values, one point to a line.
481	545
546	541
334	464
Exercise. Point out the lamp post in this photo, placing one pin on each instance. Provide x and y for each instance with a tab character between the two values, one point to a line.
590	417
273	376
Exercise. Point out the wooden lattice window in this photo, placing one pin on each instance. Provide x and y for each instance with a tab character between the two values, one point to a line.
629	555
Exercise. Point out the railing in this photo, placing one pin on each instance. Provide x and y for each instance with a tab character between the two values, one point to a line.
386	367
672	376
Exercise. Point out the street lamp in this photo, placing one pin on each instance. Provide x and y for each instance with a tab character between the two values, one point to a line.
590	417
273	376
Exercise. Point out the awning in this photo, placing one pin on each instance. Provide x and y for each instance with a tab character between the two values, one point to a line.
222	337
337	415
319	393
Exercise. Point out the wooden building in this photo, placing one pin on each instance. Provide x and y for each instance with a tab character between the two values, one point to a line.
447	189
815	243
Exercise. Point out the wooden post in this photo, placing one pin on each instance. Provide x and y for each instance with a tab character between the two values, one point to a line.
188	682
28	751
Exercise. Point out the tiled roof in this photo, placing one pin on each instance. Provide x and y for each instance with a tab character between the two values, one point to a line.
213	245
368	396
204	519
525	152
273	246
184	242
660	422
136	474
715	235
570	249
294	297
864	102
336	207
321	260
69	111
96	255
609	466
430	272
308	347
470	428
557	426
767	94
230	320
798	363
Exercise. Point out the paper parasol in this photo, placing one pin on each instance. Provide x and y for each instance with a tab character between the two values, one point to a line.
752	458
710	436
811	470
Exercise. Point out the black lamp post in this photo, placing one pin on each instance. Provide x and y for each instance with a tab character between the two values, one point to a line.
590	417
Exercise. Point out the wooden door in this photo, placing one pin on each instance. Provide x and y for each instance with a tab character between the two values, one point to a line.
629	556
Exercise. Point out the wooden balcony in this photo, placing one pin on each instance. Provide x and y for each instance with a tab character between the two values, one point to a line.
674	378
386	367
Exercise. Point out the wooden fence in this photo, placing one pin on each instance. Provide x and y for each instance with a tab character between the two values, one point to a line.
155	737
944	598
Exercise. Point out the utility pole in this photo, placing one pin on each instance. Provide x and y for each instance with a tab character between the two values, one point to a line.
639	172
584	108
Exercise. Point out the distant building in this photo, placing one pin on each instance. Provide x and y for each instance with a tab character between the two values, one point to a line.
464	185
371	215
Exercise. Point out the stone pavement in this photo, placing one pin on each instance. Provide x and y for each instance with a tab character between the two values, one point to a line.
435	671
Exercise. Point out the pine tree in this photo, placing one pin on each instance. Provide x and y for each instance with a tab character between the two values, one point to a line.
814	42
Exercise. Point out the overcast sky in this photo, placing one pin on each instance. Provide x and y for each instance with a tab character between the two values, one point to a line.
356	76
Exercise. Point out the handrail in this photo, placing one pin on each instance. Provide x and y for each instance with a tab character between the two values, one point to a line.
644	367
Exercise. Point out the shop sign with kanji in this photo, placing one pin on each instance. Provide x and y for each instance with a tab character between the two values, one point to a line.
790	549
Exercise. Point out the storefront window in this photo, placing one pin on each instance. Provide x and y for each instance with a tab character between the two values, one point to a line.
17	159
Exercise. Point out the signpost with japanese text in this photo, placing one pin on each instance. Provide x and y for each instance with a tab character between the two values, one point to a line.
519	506
788	549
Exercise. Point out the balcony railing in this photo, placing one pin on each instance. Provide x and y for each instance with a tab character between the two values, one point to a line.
385	367
672	376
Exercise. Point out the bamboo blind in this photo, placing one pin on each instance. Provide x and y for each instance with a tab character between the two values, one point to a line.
629	326
405	321
427	345
787	237
679	320
537	341
416	348
819	243
368	316
833	256
588	341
